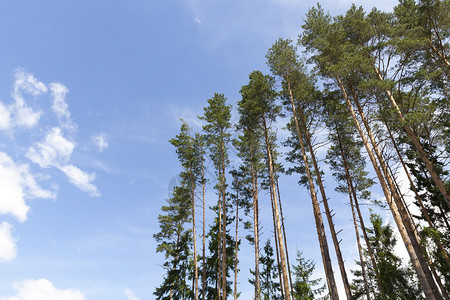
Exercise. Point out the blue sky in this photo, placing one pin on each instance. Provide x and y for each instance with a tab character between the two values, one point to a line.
90	94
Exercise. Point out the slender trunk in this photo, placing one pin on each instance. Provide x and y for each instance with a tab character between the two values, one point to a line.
277	214
416	193
428	164
276	246
219	252
332	288
352	192
327	209
224	226
194	234
397	209
284	235
374	163
255	224
358	241
204	231
416	231
236	244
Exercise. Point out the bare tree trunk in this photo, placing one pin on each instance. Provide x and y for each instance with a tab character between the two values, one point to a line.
255	224
236	244
277	214
280	277
416	193
337	248
332	288
219	252
224	226
352	192
437	180
194	234
397	208
204	230
416	232
284	235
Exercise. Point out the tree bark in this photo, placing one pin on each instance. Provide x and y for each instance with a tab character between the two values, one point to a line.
224	226
204	230
437	180
352	192
194	234
236	242
277	213
332	288
255	224
327	209
396	207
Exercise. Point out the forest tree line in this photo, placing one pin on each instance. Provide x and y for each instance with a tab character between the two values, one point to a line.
377	82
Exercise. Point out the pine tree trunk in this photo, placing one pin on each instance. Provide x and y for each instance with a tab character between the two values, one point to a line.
219	252
236	244
416	193
352	195
224	227
194	234
397	208
255	224
332	288
204	231
284	234
437	180
280	277
327	209
358	241
417	258
277	214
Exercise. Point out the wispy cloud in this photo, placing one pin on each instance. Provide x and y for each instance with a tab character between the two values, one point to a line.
81	179
100	141
19	113
198	21
130	295
8	249
59	106
43	289
16	184
55	151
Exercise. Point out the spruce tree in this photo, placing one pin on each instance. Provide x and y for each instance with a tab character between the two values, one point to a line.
174	240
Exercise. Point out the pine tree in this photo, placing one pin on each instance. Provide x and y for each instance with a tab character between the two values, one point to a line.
250	150
270	289
190	160
217	117
397	280
305	288
301	102
258	100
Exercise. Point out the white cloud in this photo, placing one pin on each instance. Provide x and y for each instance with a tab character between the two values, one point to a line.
130	295
17	184
24	115
5	117
26	82
59	106
54	151
81	179
43	289
100	142
19	113
198	21
8	249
